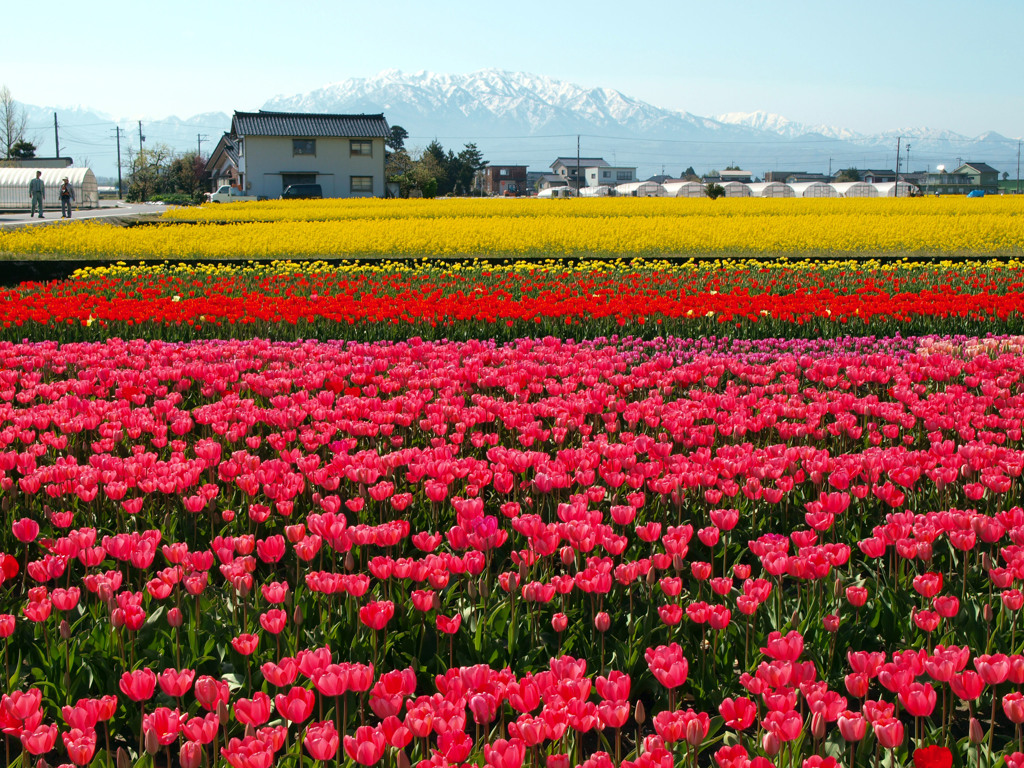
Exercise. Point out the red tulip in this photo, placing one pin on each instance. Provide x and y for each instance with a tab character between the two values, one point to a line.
39	740
852	726
25	530
377	614
933	757
80	745
164	723
367	746
738	713
889	732
449	626
296	705
175	683
138	685
321	740
505	754
254	711
667	664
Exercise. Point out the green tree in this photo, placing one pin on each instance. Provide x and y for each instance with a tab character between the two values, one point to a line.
398	168
848	174
147	171
396	140
23	150
733	168
185	175
690	175
714	191
433	163
467	164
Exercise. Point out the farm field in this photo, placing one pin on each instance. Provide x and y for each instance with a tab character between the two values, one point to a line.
613	227
567	512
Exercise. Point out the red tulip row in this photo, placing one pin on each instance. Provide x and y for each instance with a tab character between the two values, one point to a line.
497	519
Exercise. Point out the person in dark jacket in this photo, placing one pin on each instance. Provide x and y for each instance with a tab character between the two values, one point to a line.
67	196
36	190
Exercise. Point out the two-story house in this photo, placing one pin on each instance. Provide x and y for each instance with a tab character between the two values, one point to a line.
982	176
344	154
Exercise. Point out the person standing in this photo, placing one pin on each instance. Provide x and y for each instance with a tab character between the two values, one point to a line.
36	190
67	196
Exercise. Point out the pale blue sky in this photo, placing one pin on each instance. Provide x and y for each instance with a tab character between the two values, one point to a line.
868	65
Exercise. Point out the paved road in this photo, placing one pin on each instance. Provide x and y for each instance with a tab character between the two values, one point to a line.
107	208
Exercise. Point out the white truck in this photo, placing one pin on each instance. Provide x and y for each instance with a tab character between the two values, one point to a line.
229	194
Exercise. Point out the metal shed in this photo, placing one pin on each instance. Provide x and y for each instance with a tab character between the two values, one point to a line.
640	189
855	189
14	187
895	189
771	189
813	189
684	189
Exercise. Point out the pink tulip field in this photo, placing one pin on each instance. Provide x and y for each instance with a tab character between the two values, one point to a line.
544	553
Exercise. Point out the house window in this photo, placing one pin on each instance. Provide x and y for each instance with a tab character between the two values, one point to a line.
303	147
503	172
606	174
593	175
623	175
361	184
357	147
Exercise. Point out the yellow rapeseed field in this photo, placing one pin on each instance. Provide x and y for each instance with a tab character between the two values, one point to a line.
496	227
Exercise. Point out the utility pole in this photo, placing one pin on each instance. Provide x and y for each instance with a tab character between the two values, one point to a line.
1018	167
56	137
119	185
200	138
141	139
896	191
908	157
577	165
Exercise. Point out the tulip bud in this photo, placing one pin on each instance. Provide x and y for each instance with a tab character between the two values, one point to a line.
524	573
40	763
222	712
152	743
403	759
652	578
174	617
986	612
986	561
602	621
818	725
471	590
639	713
350	561
485	587
65	629
250	731
567	554
771	744
123	761
975	731
117	618
677	563
297	616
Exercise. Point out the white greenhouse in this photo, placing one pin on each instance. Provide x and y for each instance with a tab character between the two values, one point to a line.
895	189
771	189
556	192
600	191
855	189
641	189
813	189
684	189
14	187
736	189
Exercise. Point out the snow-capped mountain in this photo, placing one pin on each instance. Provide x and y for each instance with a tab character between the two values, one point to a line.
526	119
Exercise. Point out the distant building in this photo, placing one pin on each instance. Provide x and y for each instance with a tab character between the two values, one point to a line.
873	176
982	175
795	177
944	183
608	175
735	175
502	180
344	154
533	179
37	162
568	167
222	165
551	181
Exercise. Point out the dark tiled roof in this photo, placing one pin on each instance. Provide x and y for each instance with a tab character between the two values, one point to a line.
307	124
584	162
980	167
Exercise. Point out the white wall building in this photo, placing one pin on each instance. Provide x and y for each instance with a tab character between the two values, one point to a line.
608	175
344	154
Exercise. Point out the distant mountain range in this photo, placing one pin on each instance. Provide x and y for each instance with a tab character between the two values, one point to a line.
524	119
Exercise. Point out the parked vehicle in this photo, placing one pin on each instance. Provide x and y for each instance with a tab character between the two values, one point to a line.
302	192
229	194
